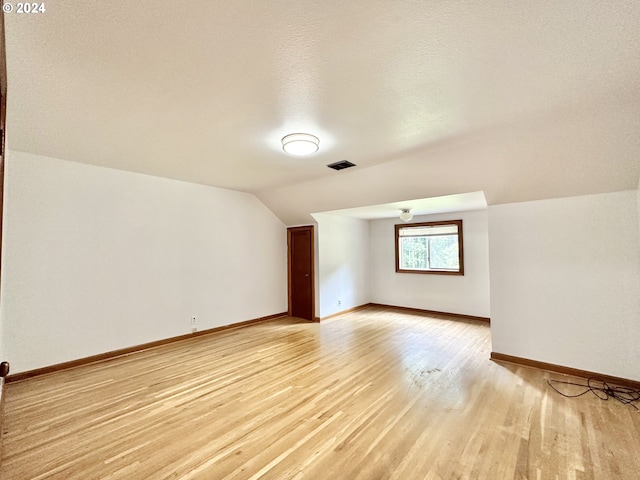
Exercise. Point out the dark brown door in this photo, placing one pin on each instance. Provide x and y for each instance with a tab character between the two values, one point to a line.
301	288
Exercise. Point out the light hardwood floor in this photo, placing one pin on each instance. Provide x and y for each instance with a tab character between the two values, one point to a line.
373	394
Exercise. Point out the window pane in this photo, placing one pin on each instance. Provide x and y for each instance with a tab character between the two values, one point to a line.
434	230
413	253
430	247
444	252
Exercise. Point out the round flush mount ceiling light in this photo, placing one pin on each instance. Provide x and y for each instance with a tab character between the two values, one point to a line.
300	144
406	215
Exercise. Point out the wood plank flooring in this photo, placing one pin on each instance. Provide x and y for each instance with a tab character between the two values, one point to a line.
373	394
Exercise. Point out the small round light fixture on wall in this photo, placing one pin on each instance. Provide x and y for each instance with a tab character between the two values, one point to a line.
300	144
406	214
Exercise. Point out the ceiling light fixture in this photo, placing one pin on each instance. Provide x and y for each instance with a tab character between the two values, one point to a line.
300	144
406	214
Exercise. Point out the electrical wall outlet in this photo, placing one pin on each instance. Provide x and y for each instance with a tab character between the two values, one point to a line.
193	320
339	302
194	329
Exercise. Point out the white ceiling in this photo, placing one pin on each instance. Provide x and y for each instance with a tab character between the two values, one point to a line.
521	100
420	206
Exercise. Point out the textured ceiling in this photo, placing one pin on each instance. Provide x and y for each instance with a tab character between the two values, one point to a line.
521	100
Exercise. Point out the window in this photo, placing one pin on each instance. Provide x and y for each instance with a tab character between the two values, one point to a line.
430	247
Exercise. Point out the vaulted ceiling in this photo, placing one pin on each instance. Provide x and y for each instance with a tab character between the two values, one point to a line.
519	100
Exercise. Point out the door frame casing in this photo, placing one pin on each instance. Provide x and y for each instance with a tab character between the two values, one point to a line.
290	230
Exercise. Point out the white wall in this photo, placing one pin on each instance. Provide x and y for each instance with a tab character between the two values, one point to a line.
468	294
96	259
343	263
565	282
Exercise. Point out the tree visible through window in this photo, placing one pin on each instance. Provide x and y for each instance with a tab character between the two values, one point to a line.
431	247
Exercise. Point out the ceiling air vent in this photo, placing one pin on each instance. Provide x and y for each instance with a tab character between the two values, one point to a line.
341	165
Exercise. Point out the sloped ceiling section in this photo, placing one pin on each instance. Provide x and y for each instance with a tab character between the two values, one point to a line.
582	150
521	100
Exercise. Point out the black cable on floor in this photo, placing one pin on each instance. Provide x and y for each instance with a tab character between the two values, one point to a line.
602	390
